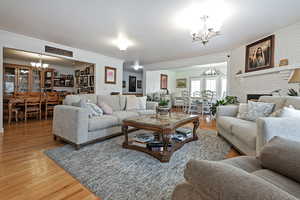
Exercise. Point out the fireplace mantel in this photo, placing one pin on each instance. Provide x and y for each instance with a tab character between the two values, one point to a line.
269	71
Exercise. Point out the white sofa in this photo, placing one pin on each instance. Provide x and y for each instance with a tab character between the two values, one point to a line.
73	124
249	137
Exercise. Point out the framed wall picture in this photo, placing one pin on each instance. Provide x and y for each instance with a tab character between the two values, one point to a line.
260	54
163	81
132	84
110	75
139	84
123	84
181	83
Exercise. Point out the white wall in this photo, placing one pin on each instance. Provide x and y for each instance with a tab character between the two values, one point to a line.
287	45
152	79
138	75
16	41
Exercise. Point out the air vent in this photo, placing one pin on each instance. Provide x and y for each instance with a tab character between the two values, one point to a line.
58	51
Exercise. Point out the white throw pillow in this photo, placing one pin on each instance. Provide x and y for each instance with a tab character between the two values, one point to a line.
142	102
290	112
259	109
132	103
95	110
243	111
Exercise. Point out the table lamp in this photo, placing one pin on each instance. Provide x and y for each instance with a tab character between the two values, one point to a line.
295	77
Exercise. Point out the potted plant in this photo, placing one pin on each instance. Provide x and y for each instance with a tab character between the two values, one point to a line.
226	101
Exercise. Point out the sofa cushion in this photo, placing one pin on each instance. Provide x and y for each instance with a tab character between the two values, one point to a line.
112	100
278	101
289	112
280	181
246	131
145	112
124	114
226	122
106	108
282	156
102	122
132	102
293	101
248	163
70	99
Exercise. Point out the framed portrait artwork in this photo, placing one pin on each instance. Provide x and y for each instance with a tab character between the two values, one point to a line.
181	83
123	84
110	75
260	54
163	81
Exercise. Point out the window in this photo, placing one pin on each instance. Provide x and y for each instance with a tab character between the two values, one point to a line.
195	87
224	87
211	84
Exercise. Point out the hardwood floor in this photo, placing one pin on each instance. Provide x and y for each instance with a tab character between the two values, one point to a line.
26	173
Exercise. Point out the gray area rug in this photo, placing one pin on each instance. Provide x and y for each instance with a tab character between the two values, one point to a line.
114	173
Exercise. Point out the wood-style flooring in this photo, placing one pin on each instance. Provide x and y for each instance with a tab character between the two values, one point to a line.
26	173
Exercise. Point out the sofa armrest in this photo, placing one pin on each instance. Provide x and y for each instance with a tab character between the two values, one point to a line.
269	127
228	110
220	181
71	123
151	105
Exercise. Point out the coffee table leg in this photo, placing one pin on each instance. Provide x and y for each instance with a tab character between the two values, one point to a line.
196	125
125	132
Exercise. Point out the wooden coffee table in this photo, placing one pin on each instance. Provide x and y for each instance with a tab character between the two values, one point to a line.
164	128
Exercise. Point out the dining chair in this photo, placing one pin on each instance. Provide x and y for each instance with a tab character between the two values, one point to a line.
207	101
52	99
33	105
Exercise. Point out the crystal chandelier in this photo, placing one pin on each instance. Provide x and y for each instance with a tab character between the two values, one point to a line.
205	30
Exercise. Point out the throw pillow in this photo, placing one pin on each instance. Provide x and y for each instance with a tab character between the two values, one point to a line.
132	103
290	112
106	108
259	109
282	156
142	102
95	110
243	111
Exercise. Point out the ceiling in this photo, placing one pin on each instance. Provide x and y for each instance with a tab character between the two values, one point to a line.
35	57
149	24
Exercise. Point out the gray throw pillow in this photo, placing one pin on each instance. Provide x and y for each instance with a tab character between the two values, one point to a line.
282	156
259	109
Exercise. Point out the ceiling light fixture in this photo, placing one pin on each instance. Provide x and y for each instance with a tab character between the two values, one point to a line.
137	65
204	20
39	64
122	43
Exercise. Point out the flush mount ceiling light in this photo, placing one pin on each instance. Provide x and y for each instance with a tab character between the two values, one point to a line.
136	66
122	43
204	20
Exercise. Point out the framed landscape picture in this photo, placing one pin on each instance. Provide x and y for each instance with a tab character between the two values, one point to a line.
260	54
110	75
163	81
181	83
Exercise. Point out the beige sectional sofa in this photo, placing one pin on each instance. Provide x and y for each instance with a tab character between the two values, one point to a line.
248	136
74	125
